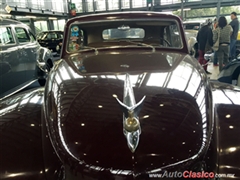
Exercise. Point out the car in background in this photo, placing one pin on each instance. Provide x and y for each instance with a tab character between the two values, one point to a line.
231	72
125	101
191	29
22	59
51	39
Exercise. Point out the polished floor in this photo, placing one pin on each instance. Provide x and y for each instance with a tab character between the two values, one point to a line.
214	70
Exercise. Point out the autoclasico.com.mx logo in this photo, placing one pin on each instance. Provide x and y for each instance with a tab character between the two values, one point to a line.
190	174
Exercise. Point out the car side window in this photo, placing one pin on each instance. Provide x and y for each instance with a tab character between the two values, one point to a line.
6	36
172	35
22	35
60	36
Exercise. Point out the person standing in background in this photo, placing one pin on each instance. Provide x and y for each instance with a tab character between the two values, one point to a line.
235	26
205	42
215	60
225	31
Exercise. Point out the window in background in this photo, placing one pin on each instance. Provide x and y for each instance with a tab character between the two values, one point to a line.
41	25
61	24
125	4
100	5
113	4
165	2
139	3
57	6
78	4
89	5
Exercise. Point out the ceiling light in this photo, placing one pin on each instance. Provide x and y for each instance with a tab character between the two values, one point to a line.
186	9
5	15
54	18
34	17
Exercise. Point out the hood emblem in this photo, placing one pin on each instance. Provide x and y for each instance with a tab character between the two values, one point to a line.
131	124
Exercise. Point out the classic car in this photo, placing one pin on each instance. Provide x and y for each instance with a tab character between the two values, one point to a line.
231	72
125	101
51	39
22	59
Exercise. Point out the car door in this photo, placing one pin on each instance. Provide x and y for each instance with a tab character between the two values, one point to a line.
28	49
12	69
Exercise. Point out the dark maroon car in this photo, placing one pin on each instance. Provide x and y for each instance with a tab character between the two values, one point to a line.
125	102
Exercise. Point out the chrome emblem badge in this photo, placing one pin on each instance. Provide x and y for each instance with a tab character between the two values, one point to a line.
131	124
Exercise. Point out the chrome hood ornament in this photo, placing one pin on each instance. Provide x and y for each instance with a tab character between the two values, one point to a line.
131	124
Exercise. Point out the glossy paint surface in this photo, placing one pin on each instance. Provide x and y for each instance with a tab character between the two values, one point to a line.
84	119
74	130
20	137
227	108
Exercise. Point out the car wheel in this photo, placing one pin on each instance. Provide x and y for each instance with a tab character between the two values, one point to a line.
41	76
49	65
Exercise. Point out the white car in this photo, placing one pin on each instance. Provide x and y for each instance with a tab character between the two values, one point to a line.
191	29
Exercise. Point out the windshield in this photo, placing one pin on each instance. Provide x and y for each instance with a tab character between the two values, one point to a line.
157	33
41	35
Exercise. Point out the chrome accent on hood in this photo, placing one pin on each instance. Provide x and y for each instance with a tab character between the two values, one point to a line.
131	124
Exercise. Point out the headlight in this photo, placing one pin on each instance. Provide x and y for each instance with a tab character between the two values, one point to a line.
57	47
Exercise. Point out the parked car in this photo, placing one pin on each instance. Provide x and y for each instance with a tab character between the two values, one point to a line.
23	60
126	101
51	40
231	72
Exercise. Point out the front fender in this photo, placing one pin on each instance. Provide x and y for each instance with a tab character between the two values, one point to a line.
45	57
191	42
20	136
226	100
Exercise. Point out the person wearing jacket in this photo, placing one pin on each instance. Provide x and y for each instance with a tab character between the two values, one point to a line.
205	42
235	26
225	31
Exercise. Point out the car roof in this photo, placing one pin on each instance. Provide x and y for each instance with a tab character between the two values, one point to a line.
123	15
4	21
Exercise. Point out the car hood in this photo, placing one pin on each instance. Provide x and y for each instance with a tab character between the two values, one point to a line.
86	109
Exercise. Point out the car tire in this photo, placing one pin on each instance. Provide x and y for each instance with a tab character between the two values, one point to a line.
42	82
43	75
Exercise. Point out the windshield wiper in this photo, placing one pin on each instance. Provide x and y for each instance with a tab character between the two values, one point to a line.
143	44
